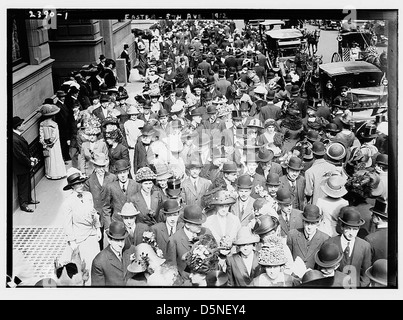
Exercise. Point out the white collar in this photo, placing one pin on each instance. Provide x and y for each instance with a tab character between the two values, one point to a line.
344	242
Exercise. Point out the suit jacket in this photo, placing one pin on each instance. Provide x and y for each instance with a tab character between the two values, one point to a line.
99	114
270	111
299	247
92	185
140	204
379	244
161	234
232	226
191	195
118	153
108	271
275	168
178	244
294	223
315	176
249	212
62	119
110	79
140	155
21	155
236	270
137	237
360	259
114	199
299	191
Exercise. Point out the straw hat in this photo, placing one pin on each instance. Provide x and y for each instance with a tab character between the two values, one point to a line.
48	110
144	255
74	176
99	159
145	174
245	236
128	210
334	186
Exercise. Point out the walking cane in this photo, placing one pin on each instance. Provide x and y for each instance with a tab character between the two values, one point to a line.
32	169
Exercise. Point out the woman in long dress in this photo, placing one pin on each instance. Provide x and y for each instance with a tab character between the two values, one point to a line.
49	138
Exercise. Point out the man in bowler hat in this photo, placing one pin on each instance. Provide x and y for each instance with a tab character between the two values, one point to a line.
305	242
289	217
356	252
109	267
182	240
22	164
294	182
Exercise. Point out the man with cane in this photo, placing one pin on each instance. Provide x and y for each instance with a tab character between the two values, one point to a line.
22	165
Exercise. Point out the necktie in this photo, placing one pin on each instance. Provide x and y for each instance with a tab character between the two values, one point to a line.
123	189
119	256
195	185
171	231
287	220
347	251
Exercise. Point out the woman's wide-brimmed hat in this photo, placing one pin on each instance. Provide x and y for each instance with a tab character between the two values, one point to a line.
245	236
145	174
193	214
117	230
48	110
328	255
74	176
222	197
272	252
144	255
351	217
162	171
99	159
335	186
264	155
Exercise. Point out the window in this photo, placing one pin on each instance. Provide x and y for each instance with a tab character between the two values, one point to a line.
19	45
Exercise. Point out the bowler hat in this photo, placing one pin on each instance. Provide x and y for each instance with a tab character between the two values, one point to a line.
312	135
196	112
211	109
380	208
193	214
244	182
318	148
74	176
163	113
17	122
332	127
117	230
194	163
174	187
273	179
128	210
334	186
336	151
264	155
284	196
147	130
222	197
313	278
259	203
264	224
378	272
245	236
328	255
105	98
170	206
229	167
216	278
99	159
121	165
351	217
60	93
295	163
311	213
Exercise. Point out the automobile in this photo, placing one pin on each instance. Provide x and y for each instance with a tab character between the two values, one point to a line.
364	40
281	46
367	87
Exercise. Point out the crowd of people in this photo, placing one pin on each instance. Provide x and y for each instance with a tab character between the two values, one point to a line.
221	172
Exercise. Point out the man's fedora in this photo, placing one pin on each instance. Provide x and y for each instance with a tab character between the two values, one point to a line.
311	213
121	165
318	148
99	159
328	255
170	206
380	208
351	217
117	230
193	214
230	167
265	155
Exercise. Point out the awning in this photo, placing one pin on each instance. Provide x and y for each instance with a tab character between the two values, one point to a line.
284	34
348	67
289	43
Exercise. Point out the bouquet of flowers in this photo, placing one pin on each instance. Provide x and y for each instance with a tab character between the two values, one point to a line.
149	237
203	257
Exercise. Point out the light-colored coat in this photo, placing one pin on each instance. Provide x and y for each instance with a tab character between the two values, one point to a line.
232	226
191	195
249	212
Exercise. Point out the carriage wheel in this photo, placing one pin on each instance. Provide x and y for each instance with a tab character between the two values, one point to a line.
336	57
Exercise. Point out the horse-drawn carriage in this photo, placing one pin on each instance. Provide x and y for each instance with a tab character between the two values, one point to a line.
330	25
354	45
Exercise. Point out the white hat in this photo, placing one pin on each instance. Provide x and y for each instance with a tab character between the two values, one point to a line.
177	106
260	89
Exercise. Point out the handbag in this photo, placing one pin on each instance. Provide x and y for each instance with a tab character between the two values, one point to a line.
46	153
